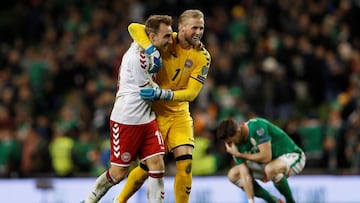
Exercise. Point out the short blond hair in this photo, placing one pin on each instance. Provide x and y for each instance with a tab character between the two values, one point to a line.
191	13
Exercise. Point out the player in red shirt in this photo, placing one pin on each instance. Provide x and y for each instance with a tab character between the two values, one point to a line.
134	132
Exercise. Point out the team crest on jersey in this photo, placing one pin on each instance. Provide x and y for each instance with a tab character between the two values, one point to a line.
188	63
260	132
126	157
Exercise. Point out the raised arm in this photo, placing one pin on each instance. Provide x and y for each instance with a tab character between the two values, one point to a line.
263	156
138	34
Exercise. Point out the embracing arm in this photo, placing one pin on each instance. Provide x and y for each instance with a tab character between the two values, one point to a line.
196	80
190	93
156	93
264	154
138	34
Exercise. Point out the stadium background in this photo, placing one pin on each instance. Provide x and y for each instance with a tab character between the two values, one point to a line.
296	63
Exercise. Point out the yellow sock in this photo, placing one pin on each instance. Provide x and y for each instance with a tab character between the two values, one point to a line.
183	180
135	180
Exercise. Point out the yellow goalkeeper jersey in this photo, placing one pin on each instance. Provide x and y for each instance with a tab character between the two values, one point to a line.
184	71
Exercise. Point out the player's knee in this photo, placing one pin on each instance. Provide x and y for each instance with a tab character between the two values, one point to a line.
116	174
233	175
154	163
239	184
268	170
271	172
184	164
230	177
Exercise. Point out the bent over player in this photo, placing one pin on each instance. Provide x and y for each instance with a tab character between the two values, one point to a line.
263	151
180	80
134	131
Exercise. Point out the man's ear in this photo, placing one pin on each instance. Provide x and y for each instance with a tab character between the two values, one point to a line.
180	27
151	36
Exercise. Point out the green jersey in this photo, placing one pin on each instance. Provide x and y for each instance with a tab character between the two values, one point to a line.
262	131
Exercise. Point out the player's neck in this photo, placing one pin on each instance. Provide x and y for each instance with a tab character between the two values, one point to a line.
244	131
183	43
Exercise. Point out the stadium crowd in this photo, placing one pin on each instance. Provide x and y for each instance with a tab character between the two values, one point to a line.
296	63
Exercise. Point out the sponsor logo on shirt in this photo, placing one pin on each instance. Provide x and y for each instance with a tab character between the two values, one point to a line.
263	139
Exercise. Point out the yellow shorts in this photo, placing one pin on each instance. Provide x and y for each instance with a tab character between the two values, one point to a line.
176	130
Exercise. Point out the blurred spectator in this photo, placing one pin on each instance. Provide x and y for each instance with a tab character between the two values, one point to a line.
291	127
311	132
9	146
251	83
60	149
352	137
84	153
205	159
35	153
229	102
331	141
281	96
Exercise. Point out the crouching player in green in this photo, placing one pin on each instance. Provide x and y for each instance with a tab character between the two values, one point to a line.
262	151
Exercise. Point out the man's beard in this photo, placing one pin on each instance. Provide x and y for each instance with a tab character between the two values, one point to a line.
193	42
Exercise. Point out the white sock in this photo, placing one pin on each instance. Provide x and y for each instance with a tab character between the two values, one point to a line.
155	188
250	200
115	200
102	185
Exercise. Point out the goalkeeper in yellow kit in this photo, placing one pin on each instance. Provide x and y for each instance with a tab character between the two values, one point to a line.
185	68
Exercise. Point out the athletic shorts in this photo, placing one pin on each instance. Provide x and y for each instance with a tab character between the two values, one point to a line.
176	130
131	142
295	164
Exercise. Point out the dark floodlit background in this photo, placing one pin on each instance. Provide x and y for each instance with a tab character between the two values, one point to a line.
296	63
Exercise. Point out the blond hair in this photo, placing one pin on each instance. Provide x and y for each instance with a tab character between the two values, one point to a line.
191	13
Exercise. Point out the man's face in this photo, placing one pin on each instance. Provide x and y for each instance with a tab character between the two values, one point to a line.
163	38
236	138
193	30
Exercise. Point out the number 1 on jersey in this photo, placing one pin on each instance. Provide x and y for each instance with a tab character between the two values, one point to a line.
176	74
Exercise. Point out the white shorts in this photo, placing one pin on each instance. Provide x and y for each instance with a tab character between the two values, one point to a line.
295	164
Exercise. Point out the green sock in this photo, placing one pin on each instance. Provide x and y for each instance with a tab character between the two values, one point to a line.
262	193
284	188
